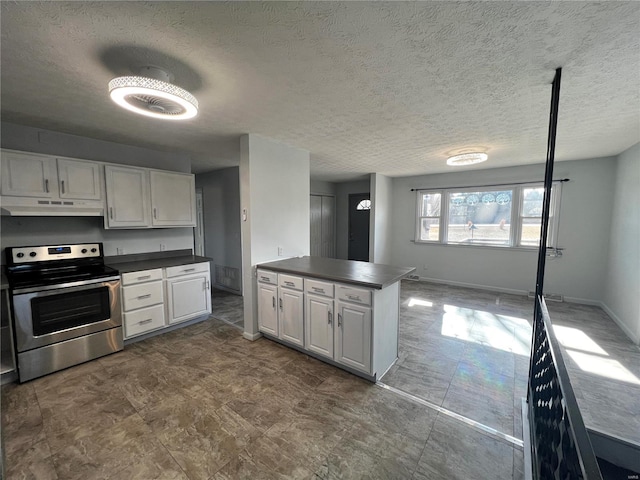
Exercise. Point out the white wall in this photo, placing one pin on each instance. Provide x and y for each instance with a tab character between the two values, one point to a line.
221	208
380	236
18	137
342	213
622	281
319	187
274	193
584	227
21	231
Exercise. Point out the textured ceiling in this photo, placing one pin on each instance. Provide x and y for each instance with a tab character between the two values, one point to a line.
387	87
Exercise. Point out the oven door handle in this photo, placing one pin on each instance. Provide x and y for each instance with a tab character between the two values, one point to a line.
71	286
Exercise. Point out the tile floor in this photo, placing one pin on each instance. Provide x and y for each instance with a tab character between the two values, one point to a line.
203	403
227	307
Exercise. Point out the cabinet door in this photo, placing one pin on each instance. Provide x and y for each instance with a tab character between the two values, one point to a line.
173	199
318	325
79	180
291	316
188	296
353	336
267	309
26	175
127	197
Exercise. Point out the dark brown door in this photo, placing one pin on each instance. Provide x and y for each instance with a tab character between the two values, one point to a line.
359	212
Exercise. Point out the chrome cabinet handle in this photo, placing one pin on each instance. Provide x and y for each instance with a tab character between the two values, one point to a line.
111	213
208	284
141	297
319	290
290	284
330	319
46	185
148	320
353	297
62	186
155	213
188	270
280	303
339	320
263	278
143	277
273	302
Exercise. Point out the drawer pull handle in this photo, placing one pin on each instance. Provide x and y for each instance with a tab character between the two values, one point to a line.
265	279
144	296
330	317
339	320
148	320
319	290
354	297
188	270
290	284
143	277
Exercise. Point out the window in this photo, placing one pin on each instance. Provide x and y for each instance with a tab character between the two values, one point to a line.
364	205
507	216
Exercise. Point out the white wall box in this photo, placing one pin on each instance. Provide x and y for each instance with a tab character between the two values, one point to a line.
173	199
37	184
142	302
188	290
357	331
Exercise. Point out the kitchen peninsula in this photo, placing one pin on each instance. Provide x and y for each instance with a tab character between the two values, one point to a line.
342	312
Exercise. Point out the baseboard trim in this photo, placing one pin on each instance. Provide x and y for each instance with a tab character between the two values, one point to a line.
251	336
624	327
490	288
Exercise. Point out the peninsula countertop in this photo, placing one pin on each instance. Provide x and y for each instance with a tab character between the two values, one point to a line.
372	275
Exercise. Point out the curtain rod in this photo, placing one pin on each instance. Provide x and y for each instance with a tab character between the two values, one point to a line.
562	180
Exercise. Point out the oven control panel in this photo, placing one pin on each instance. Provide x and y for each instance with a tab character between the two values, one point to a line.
54	252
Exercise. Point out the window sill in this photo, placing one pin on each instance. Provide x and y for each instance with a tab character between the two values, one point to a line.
550	251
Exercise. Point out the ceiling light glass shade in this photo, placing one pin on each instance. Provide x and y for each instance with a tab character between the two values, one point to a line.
467	159
153	98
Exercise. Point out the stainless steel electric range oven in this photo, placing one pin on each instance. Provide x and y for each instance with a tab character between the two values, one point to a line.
66	306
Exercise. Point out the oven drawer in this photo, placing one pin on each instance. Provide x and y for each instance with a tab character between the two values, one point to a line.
143	320
187	269
131	278
142	295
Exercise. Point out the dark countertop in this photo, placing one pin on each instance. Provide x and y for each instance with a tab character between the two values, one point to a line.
372	275
149	261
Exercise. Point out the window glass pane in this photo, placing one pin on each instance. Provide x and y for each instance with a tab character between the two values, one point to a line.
532	202
481	217
530	235
429	229
364	205
430	205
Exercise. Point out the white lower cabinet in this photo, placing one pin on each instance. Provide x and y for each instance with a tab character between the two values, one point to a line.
319	325
336	322
142	302
154	299
353	336
188	292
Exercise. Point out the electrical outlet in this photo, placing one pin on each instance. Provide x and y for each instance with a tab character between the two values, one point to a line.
279	251
120	250
163	247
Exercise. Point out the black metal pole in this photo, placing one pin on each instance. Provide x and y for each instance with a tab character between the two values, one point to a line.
548	180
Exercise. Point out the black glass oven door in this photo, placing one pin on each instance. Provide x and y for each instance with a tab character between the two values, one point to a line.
54	313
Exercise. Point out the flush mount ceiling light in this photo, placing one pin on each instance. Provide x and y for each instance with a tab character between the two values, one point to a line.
467	159
153	96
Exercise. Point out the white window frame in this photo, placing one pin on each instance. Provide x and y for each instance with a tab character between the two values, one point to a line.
516	218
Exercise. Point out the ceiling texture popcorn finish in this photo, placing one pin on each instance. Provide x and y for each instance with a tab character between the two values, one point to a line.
394	88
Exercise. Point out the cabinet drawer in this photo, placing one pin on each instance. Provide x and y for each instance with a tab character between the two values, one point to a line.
131	278
266	276
318	288
290	281
187	269
143	320
142	295
354	295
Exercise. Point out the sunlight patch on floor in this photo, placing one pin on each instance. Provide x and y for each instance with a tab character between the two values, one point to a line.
419	302
576	339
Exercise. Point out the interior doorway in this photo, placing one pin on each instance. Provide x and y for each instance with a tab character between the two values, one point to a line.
359	215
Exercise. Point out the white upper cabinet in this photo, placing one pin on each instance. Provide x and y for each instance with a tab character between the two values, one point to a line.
127	197
173	199
79	180
27	175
